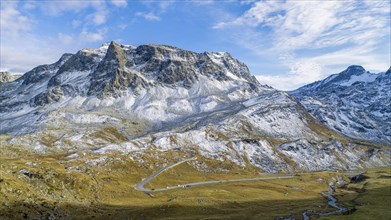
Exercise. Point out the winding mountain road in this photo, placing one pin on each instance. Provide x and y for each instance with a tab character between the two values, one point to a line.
140	186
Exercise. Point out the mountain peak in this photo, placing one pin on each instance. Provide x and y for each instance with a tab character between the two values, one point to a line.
115	52
353	102
342	80
114	70
350	75
112	43
354	70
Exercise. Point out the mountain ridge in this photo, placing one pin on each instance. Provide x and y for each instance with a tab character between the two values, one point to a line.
119	98
113	71
354	102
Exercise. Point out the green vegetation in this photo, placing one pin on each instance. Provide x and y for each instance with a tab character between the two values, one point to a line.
109	134
101	187
370	198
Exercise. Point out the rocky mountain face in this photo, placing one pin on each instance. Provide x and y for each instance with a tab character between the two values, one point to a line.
155	82
353	102
8	77
120	98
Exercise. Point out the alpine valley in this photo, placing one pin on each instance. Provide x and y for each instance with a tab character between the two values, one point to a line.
78	135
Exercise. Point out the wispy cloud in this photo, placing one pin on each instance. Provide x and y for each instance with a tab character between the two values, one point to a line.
203	2
255	16
85	36
300	73
29	5
315	34
76	23
119	3
122	26
65	38
58	8
89	36
159	6
19	39
12	22
148	16
98	17
13	25
155	9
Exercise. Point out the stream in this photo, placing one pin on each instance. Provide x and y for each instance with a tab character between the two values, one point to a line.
332	201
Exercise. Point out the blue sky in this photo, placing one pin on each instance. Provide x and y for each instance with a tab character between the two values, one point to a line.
286	44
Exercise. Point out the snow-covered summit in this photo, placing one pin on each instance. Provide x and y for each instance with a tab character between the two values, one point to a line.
156	82
124	98
354	102
349	76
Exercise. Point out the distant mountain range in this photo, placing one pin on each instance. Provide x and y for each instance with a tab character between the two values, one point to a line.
8	77
125	98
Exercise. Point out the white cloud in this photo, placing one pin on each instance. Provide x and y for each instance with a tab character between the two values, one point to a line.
165	5
355	55
87	36
330	34
244	2
148	16
65	39
310	69
20	57
76	23
304	23
57	8
99	17
122	26
253	17
295	24
22	48
24	52
29	5
301	73
12	22
119	3
17	43
155	9
203	2
159	6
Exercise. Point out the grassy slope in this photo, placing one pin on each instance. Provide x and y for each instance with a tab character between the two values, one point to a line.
371	198
104	189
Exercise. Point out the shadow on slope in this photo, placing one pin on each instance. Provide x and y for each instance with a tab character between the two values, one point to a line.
377	200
